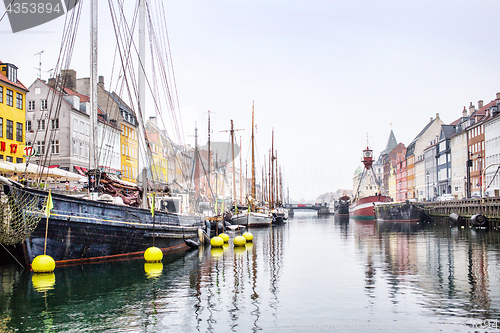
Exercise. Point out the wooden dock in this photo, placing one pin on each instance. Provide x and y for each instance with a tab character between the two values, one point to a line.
489	207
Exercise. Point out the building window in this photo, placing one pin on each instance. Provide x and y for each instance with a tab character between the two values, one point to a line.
40	147
1	94
19	100
9	159
54	144
10	97
75	148
9	130
28	125
19	160
19	132
1	127
43	104
31	105
82	127
75	125
41	124
55	123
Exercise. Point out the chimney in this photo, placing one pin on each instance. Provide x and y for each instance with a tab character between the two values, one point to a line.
498	95
52	82
68	79
101	81
437	115
431	120
153	121
464	112
480	104
472	109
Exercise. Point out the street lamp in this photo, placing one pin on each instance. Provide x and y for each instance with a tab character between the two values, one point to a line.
465	187
479	157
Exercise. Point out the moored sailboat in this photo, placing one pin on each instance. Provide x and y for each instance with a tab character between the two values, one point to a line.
255	215
97	227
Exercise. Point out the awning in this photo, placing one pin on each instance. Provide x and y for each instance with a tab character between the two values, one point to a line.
80	171
53	166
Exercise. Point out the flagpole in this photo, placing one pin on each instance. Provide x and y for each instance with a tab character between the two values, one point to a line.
48	208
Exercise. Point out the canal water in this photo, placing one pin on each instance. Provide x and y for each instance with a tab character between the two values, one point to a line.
312	274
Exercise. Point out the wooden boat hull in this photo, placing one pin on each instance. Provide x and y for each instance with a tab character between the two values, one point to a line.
86	230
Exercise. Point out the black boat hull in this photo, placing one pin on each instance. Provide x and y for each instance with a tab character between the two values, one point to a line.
87	230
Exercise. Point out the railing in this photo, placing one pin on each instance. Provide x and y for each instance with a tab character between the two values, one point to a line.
489	207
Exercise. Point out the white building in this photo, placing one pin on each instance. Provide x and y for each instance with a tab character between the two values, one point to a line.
492	150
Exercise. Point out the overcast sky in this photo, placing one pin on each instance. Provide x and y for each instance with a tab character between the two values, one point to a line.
323	74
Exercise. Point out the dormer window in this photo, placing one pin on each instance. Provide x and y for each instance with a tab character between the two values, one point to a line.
11	72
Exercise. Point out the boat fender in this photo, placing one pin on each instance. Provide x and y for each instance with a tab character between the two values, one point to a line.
478	220
207	226
220	227
191	243
455	218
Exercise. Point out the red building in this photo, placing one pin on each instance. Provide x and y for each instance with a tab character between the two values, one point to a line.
401	176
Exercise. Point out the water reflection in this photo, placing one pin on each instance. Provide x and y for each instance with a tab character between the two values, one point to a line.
448	267
309	270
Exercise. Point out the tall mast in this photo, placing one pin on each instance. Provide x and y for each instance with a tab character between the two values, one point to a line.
253	154
142	101
241	180
93	86
209	152
270	197
272	170
234	163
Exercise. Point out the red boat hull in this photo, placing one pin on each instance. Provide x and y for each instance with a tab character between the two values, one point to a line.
362	208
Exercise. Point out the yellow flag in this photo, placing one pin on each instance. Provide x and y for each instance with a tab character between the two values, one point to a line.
153	206
49	205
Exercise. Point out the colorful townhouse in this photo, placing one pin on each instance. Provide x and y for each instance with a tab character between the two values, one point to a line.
492	149
458	149
476	148
401	176
416	149
12	114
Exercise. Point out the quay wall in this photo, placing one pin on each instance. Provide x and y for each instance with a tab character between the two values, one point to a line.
489	207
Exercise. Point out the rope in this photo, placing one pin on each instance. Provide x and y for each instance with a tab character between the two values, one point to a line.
12	256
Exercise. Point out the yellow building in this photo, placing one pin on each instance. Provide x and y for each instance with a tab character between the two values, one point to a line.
12	114
129	152
158	161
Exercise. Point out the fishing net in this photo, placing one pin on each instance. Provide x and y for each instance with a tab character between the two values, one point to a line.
20	213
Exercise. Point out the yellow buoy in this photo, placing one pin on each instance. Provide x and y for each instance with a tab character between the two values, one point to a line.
153	269
43	264
224	237
43	281
153	254
216	241
239	241
248	236
216	252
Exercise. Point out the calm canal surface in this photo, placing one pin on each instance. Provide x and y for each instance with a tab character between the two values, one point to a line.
312	274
